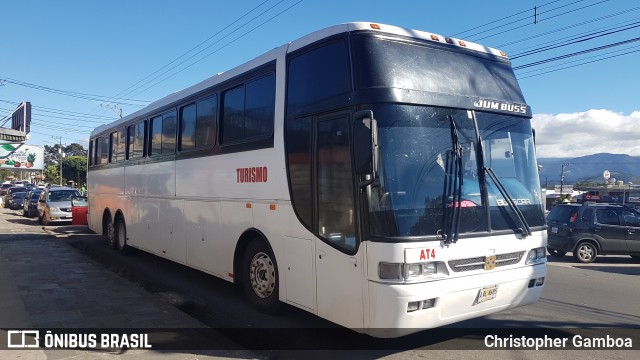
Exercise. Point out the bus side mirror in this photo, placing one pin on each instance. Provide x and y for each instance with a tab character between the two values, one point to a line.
365	143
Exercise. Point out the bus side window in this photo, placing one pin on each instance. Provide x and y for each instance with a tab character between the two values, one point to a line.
169	127
155	136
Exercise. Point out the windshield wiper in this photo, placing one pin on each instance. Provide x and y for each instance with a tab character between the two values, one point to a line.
452	188
526	230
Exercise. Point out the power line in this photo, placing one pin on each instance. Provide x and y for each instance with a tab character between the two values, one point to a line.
190	50
575	40
502	46
131	102
539	21
535	63
576	65
604	56
504	18
222	47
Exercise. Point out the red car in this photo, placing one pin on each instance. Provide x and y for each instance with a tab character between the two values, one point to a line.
79	210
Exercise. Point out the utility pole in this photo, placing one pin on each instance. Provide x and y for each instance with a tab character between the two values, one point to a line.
562	178
113	108
59	138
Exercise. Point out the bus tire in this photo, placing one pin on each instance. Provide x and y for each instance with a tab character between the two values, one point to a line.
260	277
121	236
111	235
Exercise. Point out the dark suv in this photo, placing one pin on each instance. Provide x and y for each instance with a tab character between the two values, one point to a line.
589	230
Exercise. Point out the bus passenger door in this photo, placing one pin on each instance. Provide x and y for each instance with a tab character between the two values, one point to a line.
338	256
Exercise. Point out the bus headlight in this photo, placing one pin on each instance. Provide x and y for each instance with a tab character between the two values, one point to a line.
536	256
407	272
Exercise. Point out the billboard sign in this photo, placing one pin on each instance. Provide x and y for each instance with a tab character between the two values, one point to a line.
21	118
21	157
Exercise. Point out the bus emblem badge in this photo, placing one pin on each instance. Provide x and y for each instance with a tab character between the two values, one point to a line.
490	262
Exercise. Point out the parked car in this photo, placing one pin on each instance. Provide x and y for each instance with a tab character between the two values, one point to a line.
589	230
30	208
54	205
14	200
4	188
79	210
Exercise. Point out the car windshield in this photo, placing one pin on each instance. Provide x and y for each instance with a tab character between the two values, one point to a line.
415	165
62	195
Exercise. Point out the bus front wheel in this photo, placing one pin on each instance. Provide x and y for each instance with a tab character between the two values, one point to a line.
260	277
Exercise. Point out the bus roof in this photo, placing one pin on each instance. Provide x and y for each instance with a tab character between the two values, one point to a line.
293	46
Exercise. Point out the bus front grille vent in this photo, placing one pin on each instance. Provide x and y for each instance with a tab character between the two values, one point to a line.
478	263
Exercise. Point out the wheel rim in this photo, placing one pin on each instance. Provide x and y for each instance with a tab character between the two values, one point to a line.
262	275
585	252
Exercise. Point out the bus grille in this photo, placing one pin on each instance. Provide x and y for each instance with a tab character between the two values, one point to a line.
477	263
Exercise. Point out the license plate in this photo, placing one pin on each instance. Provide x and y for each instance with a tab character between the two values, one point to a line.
487	293
554	230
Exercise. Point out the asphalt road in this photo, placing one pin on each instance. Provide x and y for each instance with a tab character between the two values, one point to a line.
595	300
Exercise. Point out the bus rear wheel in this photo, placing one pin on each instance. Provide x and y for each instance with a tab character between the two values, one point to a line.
260	277
121	236
111	234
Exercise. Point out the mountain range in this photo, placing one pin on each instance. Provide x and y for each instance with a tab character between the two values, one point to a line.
590	169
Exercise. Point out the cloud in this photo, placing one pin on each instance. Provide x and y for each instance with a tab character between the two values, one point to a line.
586	133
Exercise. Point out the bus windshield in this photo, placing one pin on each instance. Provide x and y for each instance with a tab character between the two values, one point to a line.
416	150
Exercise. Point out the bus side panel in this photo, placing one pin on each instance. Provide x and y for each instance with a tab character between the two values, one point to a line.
108	194
237	217
201	235
159	179
293	248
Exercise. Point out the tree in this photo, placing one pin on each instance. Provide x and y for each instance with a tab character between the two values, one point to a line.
52	153
75	168
52	173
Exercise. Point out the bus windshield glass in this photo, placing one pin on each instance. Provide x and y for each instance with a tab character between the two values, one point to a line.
416	157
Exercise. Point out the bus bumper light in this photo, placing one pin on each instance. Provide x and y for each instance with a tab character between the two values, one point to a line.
421	305
536	282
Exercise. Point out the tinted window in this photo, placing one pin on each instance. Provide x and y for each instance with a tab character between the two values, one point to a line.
233	115
188	127
336	217
206	122
587	215
631	218
561	213
139	148
169	127
317	75
299	161
155	136
103	151
607	217
259	107
248	110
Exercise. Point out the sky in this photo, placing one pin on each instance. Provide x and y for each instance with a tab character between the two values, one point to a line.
79	62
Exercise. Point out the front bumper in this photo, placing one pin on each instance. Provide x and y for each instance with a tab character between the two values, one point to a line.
456	299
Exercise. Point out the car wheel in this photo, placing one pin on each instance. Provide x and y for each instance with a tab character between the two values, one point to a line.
260	277
121	236
585	252
556	253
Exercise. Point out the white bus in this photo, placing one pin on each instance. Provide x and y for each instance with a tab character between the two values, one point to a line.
382	178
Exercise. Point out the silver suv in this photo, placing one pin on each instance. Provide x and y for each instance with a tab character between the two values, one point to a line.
54	205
